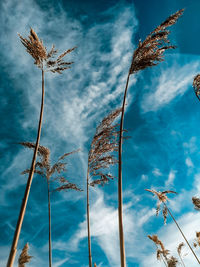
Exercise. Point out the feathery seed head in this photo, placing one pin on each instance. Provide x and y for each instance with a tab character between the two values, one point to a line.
43	59
196	202
179	248
150	52
172	262
162	198
104	143
24	257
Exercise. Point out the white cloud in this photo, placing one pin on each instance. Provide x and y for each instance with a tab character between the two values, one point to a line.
189	162
171	177
157	172
172	82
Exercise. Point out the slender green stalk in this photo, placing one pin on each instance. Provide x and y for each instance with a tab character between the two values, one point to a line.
182	233
49	211
120	198
28	186
88	221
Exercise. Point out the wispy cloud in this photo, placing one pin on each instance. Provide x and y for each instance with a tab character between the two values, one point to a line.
173	81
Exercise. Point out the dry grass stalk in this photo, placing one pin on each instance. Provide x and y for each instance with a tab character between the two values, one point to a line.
198	239
196	202
46	62
172	262
179	250
104	143
196	85
163	253
148	53
24	256
162	199
43	59
100	158
46	170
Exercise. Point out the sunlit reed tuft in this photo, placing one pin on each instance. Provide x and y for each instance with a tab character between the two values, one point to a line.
43	59
24	256
46	170
196	202
162	198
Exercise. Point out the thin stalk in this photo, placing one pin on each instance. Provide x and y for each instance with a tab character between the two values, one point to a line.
182	233
120	199
13	249
49	210
88	221
161	256
182	262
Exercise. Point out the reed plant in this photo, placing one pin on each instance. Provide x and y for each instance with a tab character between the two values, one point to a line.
148	53
45	61
24	257
179	250
162	199
100	157
48	171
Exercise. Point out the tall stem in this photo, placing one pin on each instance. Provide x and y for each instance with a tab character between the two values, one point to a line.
120	199
182	262
49	210
13	249
88	221
182	233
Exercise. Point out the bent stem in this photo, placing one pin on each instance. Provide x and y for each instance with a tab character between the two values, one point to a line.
120	199
88	221
49	211
28	186
182	233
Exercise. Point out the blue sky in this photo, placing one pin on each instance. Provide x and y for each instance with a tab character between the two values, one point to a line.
162	118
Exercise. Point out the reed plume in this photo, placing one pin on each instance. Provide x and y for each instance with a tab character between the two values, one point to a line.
161	253
24	256
196	202
148	53
45	61
162	199
179	250
100	158
47	171
196	85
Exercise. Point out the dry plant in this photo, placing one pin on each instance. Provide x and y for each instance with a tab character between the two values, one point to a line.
179	250
197	240
148	53
163	253
24	257
45	170
100	158
196	85
162	199
46	62
196	202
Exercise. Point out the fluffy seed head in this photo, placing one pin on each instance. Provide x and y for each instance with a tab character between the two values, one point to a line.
24	257
43	59
150	52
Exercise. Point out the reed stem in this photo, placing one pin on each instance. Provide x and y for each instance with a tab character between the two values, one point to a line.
120	198
13	249
88	221
182	233
49	211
